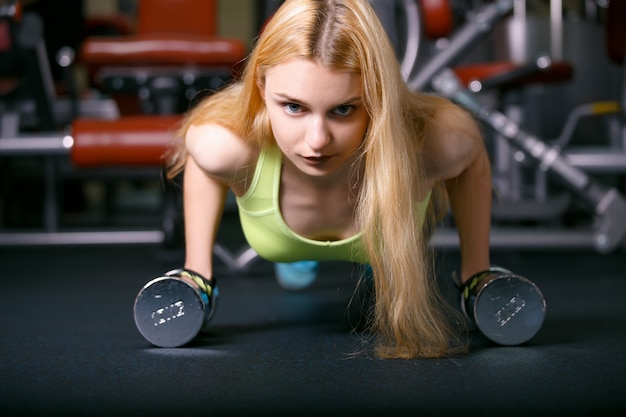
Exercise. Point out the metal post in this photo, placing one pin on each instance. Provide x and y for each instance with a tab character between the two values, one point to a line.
465	36
556	29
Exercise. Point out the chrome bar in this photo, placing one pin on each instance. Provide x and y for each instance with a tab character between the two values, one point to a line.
556	29
600	160
36	145
460	42
443	238
80	238
511	238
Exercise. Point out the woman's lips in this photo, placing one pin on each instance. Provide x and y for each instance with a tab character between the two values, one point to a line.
317	160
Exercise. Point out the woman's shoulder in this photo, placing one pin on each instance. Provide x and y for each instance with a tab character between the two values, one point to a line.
451	141
220	151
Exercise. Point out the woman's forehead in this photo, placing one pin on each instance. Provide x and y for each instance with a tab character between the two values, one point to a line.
299	75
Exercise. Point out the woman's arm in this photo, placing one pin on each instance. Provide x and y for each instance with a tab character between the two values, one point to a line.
463	164
203	204
216	162
470	200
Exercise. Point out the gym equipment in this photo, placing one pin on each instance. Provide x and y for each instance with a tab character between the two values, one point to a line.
31	101
95	142
607	204
174	54
507	309
132	146
572	164
172	309
464	37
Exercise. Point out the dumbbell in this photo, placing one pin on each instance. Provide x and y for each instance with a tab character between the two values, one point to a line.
506	308
173	309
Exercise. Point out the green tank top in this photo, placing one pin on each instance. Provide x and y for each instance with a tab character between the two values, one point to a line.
268	234
266	231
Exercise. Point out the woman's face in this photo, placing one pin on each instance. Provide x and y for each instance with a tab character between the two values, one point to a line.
318	117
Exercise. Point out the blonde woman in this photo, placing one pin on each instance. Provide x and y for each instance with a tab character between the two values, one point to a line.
331	157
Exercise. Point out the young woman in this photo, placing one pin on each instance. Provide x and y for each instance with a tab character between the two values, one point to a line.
332	157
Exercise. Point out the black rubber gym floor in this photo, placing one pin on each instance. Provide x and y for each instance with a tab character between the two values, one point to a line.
69	346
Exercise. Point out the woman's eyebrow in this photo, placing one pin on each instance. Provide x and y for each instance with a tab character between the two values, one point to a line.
289	98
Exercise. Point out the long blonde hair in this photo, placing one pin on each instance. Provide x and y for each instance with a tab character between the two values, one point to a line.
346	35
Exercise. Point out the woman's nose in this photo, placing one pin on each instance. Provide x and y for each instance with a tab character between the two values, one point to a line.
318	135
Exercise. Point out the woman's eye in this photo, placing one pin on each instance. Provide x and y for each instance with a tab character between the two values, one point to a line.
292	108
345	110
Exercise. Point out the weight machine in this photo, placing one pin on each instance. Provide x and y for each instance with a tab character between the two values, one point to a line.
570	167
132	146
150	64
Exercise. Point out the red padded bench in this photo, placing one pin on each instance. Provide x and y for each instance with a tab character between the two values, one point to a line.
174	53
128	141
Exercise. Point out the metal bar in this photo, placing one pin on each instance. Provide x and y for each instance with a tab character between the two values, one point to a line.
36	145
522	238
605	161
443	238
460	42
519	9
50	204
9	123
556	29
81	238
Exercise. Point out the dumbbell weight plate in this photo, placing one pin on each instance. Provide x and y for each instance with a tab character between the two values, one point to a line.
508	309
169	311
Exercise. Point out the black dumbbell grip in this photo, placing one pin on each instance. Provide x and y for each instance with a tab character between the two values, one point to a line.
477	278
208	285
